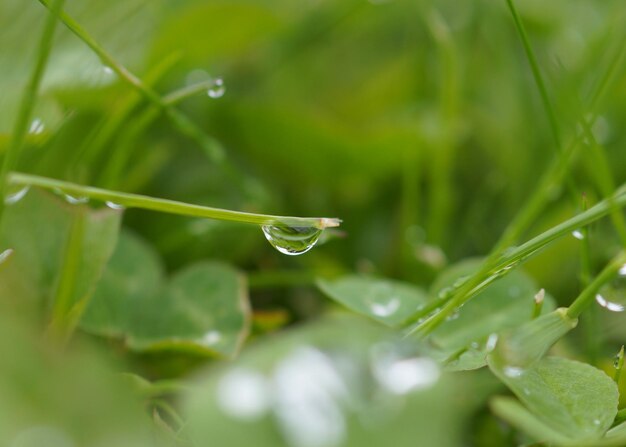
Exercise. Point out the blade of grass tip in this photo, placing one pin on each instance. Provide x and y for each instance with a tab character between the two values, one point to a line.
210	146
587	296
127	200
27	104
515	256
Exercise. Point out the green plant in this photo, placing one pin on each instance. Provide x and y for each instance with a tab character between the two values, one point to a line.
183	329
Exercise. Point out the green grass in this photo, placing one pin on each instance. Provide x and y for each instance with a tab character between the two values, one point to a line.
461	146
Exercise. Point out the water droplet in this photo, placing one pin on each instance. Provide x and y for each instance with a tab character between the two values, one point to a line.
114	206
513	372
578	235
291	240
445	292
385	309
460	281
596	421
107	70
211	338
14	194
6	254
454	315
75	200
491	342
527	391
36	127
218	89
243	394
612	296
474	345
616	360
404	375
540	296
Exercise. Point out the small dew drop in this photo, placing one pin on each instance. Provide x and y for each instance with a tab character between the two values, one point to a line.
596	421
616	359
36	127
491	342
291	240
445	292
404	375
217	90
578	235
114	206
385	309
612	296
211	338
75	200
474	345
107	70
513	372
453	316
6	254
15	195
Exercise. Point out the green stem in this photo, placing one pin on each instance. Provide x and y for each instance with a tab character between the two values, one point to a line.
180	120
587	296
28	101
127	200
534	66
510	258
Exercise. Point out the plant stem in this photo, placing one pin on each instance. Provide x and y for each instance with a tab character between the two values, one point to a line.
28	101
534	66
212	148
587	296
509	259
167	206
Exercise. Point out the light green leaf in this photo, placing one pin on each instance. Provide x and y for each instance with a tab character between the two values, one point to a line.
572	398
39	228
389	302
202	308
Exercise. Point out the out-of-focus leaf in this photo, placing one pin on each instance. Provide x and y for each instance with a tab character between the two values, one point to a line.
37	228
341	381
574	399
386	301
70	397
121	27
202	308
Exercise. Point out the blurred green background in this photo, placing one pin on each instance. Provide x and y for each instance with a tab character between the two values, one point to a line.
416	122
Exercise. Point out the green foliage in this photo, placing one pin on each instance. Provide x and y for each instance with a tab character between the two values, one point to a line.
456	142
202	308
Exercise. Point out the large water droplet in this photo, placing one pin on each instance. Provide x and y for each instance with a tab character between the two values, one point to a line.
217	90
15	194
612	296
291	240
